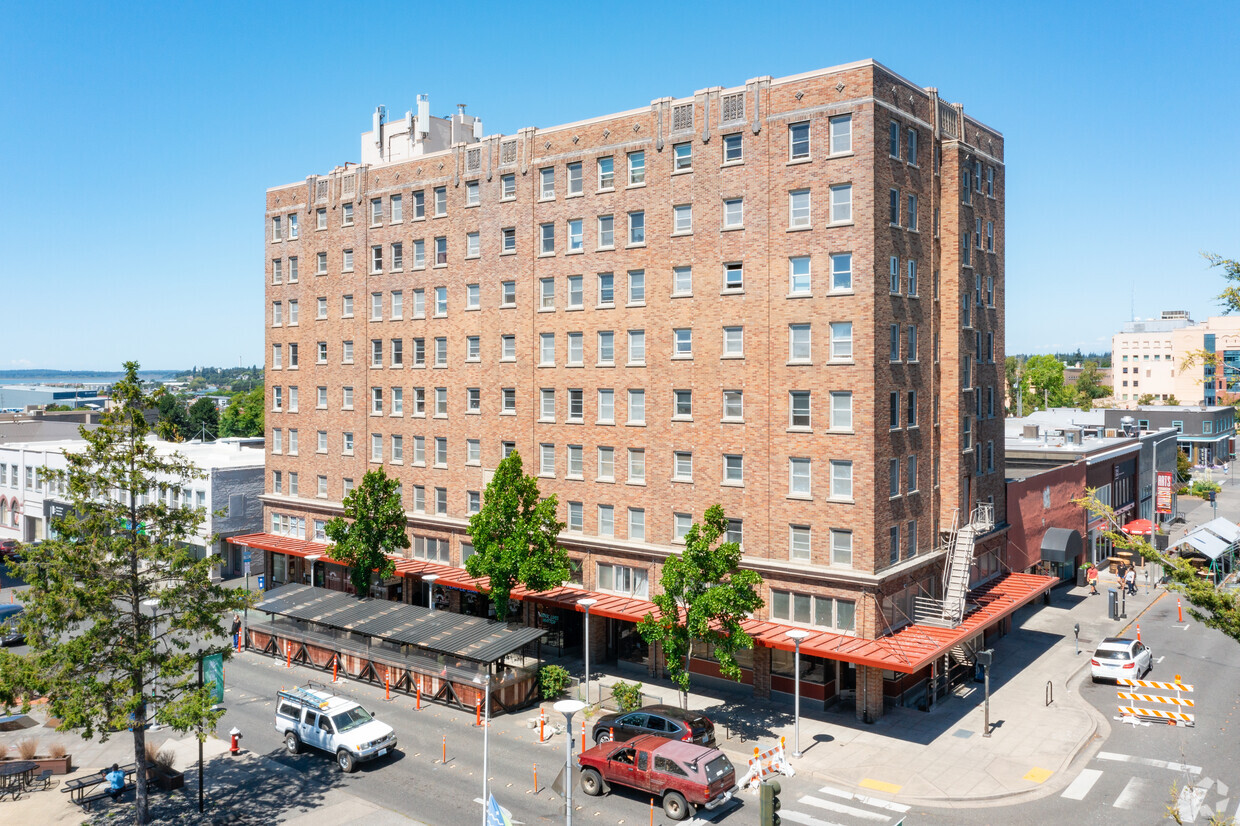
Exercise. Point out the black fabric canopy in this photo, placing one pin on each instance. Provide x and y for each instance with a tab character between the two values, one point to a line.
443	632
1060	545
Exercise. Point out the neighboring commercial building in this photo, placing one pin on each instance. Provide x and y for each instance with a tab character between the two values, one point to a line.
1206	434
30	502
1153	357
785	297
19	397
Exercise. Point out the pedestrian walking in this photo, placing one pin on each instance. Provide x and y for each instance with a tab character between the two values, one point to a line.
1092	576
236	630
1130	578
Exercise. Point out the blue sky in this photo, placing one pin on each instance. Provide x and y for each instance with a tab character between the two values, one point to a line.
138	139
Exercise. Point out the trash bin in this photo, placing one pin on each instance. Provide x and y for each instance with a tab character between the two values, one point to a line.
1080	575
1112	604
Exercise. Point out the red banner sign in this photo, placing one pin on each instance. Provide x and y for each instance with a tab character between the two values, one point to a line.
1162	492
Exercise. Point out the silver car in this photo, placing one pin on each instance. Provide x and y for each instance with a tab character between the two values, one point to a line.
1117	657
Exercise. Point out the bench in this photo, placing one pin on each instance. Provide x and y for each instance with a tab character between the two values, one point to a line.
85	802
79	786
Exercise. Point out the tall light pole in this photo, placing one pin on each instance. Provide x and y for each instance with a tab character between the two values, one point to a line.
429	579
796	635
313	558
486	730
586	603
568	708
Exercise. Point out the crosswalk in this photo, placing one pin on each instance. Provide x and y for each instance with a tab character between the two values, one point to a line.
1111	784
830	806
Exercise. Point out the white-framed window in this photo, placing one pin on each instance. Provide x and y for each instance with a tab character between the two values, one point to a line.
320	263
546	293
733	342
682	215
682	405
606	405
508	400
799	343
682	338
473	244
637	347
681	523
277	228
798	477
441	351
606	173
546	349
637	524
576	350
546	459
733	276
472	193
320	216
507	186
376	400
574	235
322	442
682	281
841	134
841	271
346	261
576	292
841	341
441	201
419	254
576	405
346	214
637	466
798	140
798	208
606	232
733	469
441	251
799	543
606	289
623	580
733	148
841	547
376	447
606	347
841	479
733	213
546	183
637	168
637	406
398	401
637	286
637	228
508	347
396	206
473	400
606	464
546	236
376	211
606	520
799	275
682	157
419	205
841	410
508	240
473	451
574	470
841	204
798	409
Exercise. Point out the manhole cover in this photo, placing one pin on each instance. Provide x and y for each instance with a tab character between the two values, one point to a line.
962	733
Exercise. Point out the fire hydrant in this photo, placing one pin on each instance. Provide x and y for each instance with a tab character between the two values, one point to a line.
235	746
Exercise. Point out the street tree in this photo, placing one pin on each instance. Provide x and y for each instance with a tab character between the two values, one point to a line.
204	420
244	414
119	609
1210	605
1089	384
372	528
705	596
515	535
1043	377
1230	296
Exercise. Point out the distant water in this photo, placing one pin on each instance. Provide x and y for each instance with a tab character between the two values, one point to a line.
24	377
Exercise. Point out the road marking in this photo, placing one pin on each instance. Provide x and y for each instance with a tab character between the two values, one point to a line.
1159	660
880	786
1083	783
1129	798
861	798
1037	775
801	817
1146	761
840	808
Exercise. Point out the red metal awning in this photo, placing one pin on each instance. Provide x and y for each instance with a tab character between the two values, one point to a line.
445	575
281	545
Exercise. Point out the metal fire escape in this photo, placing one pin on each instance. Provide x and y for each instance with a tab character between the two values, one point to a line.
949	611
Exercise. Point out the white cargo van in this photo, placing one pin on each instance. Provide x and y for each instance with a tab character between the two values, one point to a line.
312	716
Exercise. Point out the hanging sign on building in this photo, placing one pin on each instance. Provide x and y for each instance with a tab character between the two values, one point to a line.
1163	486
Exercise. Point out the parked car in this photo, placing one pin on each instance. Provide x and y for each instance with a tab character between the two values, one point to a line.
1119	657
10	633
685	776
314	717
663	721
8	548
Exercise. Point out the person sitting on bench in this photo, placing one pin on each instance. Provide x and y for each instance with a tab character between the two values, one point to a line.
116	781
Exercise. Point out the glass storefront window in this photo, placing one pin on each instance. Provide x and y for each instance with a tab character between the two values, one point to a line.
813	669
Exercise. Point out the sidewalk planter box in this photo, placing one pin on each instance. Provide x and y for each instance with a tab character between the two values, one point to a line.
168	780
58	765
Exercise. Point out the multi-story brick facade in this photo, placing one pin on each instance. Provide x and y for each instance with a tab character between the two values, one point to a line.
785	297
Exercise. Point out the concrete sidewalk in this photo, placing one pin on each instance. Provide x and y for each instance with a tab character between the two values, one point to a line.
243	789
941	757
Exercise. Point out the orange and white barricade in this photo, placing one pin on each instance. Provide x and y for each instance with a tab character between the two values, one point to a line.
1141	715
766	763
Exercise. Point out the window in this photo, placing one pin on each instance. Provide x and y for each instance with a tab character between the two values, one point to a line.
798	477
576	292
606	347
277	356
398	352
347	261
623	580
292	268
277	270
321	218
798	140
893	551
733	276
841	341
841	479
606	406
733	213
893	477
637	286
733	148
321	401
398	305
574	235
798	409
893	407
893	275
912	342
546	235
637	524
637	168
841	204
346	444
546	462
376	306
507	186
441	508
682	219
575	349
798	275
990	236
990	293
396	208
546	183
966	185
473	245
441	451
841	410
376	447
841	134
277	233
990	181
441	201
637	228
606	173
911	272
637	466
911	220
841	271
637	407
681	522
508	240
893	207
441	351
441	251
637	347
376	400
733	342
911	137
682	466
893	344
508	347
811	610
893	139
346	352
682	157
606	520
441	301
472	193
682	404
910	409
321	264
473	400
682	281
546	350
683	342
419	254
841	547
606	289
546	404
798	208
574	462
508	402
576	405
606	232
733	469
910	470
472	297
346	214
799	342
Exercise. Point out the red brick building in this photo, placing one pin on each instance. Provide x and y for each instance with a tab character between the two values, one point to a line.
785	297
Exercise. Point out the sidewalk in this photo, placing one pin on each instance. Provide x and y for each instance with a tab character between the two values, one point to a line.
246	789
941	757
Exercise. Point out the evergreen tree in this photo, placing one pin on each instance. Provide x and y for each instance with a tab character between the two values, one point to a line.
204	420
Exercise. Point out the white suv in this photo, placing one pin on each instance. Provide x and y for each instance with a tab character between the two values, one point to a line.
313	717
1117	657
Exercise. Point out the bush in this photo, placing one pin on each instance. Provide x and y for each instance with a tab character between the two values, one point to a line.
1203	489
628	696
552	679
57	750
164	758
28	747
4	750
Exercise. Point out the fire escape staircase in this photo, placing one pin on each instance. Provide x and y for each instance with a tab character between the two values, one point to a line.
950	610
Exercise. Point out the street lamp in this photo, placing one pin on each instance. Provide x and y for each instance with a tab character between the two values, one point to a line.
586	603
312	558
486	730
796	635
568	708
429	579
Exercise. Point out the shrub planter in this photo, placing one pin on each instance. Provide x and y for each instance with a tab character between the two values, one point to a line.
58	765
167	779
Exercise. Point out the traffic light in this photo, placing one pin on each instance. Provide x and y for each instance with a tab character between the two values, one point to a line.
768	803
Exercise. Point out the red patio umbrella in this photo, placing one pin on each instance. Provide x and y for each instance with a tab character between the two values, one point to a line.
1139	527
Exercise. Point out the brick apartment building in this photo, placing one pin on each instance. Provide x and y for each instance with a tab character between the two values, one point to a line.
785	297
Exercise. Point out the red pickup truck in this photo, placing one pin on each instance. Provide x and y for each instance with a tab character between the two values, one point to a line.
684	775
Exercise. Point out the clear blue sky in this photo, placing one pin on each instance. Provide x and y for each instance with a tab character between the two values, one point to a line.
138	139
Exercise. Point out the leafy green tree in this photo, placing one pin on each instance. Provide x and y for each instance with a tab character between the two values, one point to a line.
1183	467
204	420
173	423
1171	400
1089	383
1043	377
1230	296
514	536
375	528
705	596
1212	606
244	414
1145	398
118	610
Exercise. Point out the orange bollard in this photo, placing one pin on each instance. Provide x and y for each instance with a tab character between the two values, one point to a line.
1179	609
289	648
611	732
652	811
419	695
387	686
542	719
335	662
583	735
478	713
1138	632
535	778
445	748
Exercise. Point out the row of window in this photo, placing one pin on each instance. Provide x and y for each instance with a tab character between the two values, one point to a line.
839	412
839	139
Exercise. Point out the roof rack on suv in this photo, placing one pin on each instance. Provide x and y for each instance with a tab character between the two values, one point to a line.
306	694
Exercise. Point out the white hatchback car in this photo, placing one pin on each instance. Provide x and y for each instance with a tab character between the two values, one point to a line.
1117	657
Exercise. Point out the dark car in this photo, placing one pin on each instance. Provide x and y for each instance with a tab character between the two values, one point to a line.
664	721
8	548
10	633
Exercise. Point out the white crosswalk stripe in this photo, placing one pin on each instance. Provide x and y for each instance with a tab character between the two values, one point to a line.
840	808
1083	783
869	801
827	808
